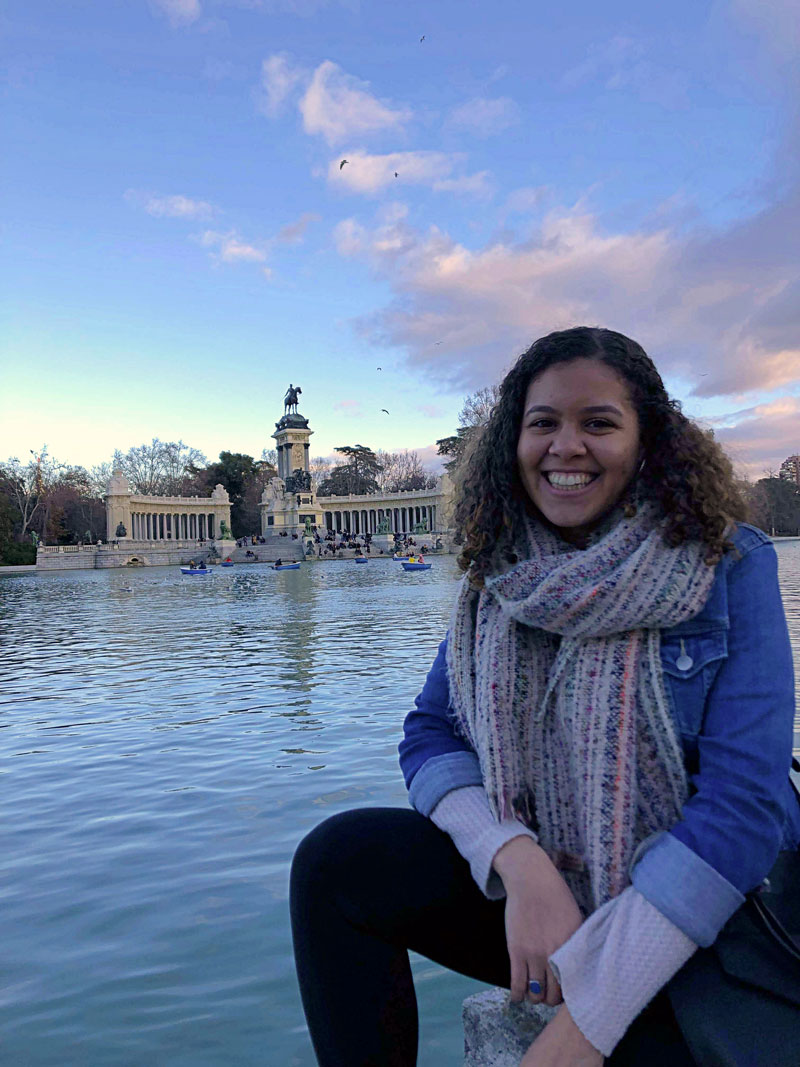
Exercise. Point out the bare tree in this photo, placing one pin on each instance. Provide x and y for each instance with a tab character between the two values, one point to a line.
479	406
98	477
162	468
27	485
403	471
472	418
319	470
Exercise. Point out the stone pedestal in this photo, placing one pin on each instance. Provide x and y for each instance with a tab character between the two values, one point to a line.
384	541
498	1033
225	546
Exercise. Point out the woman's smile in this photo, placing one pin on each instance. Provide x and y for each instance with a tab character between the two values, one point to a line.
568	483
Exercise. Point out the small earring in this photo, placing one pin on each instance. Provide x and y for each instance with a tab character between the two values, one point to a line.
632	505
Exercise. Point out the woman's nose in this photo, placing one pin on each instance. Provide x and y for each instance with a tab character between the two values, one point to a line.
567	442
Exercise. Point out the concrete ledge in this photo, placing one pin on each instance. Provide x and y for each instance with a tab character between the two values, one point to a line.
498	1033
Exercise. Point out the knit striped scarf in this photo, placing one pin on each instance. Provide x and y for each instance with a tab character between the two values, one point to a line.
556	681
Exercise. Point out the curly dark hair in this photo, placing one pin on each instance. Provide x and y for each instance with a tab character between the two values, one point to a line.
685	471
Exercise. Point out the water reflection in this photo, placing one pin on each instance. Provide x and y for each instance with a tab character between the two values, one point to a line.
170	745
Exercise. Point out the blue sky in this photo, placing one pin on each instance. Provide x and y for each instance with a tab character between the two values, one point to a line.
180	241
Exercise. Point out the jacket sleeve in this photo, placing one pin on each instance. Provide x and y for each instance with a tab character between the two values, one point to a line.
730	831
434	759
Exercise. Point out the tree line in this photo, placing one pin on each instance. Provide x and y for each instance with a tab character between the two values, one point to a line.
43	499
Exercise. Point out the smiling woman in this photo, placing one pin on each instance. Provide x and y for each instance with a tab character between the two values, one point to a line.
599	758
583	402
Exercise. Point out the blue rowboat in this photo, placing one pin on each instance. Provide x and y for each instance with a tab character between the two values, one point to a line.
226	563
416	566
361	559
196	570
400	559
287	567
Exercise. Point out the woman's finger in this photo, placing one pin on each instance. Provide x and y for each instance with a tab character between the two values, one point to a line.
553	992
519	976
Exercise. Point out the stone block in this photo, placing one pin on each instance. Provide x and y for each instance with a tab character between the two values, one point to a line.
498	1033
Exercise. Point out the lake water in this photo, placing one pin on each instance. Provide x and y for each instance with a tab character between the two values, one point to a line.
165	750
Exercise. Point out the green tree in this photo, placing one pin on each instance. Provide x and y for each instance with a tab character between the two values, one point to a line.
244	478
358	476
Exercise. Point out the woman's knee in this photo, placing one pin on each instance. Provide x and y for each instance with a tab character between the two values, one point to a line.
347	839
323	846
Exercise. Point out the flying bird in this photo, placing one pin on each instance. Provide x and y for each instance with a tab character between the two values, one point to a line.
379	368
395	174
439	343
422	38
384	409
343	163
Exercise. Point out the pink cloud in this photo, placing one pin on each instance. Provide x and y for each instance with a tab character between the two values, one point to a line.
350	408
721	311
758	439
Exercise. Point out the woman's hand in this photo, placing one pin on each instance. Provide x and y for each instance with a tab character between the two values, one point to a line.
561	1044
541	914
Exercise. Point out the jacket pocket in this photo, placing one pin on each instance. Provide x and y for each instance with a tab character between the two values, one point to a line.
691	663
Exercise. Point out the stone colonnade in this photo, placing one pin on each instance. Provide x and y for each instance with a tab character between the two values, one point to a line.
164	518
172	526
402	519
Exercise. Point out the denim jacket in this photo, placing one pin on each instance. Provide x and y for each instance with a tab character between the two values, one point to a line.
730	684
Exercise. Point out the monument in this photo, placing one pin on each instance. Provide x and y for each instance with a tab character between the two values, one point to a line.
289	504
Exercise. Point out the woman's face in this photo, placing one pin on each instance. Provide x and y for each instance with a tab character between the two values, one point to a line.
578	444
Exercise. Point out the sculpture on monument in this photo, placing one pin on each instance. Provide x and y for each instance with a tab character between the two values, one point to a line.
383	525
299	481
290	400
120	530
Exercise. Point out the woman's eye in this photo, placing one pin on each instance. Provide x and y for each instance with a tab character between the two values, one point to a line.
599	424
539	424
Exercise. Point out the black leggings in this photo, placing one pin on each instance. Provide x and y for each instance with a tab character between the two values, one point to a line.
370	884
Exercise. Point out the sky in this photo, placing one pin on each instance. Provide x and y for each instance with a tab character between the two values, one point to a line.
181	240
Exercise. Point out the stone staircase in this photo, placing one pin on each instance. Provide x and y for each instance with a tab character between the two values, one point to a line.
275	548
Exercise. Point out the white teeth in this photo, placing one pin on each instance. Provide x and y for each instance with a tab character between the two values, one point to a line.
568	481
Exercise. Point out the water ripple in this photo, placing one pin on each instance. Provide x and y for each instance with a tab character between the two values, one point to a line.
168	747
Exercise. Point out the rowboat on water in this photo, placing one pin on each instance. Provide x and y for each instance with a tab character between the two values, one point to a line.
226	563
416	566
287	567
361	559
400	559
195	570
